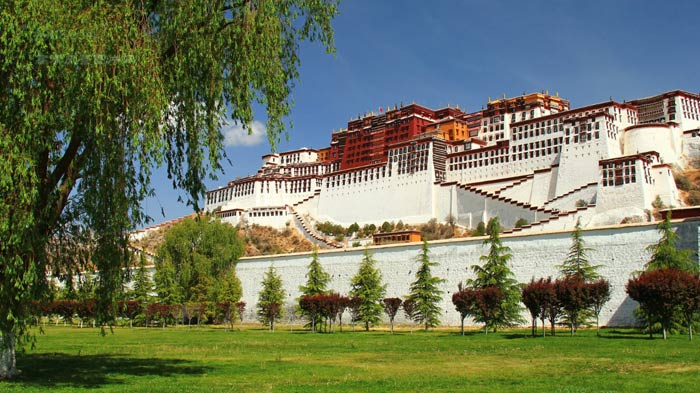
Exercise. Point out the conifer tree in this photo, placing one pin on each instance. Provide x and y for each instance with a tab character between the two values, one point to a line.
317	279
367	286
229	288
576	264
425	291
496	273
664	254
271	298
143	285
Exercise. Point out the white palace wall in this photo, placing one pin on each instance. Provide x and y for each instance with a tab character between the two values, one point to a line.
620	251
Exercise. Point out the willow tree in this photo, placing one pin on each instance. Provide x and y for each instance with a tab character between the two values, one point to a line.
94	94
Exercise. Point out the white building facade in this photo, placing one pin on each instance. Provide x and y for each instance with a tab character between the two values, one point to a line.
544	162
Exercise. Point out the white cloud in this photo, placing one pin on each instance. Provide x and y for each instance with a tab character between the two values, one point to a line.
236	135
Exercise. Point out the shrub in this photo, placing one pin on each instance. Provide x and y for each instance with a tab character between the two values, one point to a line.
682	181
658	203
521	222
581	203
480	229
694	197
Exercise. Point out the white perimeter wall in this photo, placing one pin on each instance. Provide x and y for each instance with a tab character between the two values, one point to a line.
620	250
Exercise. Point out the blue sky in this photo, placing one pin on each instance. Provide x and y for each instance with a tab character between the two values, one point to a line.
463	52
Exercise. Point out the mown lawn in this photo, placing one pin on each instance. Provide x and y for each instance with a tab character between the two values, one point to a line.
212	359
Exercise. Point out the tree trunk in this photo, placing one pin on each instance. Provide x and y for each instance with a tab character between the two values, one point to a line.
597	325
663	328
462	328
690	331
534	326
7	356
367	326
553	330
486	329
391	323
572	328
544	328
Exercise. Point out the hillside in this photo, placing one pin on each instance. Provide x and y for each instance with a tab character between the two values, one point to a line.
260	240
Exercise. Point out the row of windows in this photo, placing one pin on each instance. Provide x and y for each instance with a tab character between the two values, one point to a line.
268	213
230	192
619	173
356	177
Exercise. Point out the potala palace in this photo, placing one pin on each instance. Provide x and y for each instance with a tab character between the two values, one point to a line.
530	157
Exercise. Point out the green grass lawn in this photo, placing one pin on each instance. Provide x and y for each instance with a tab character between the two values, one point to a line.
212	359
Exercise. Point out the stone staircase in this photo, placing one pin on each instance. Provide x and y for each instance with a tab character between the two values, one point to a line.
557	216
566	194
310	233
516	183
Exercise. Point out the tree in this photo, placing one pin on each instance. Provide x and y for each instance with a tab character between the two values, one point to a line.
131	309
496	273
409	310
271	298
229	288
599	294
540	298
658	294
425	291
689	286
195	254
309	305
391	307
95	94
367	286
576	264
464	300
317	281
665	253
573	297
240	310
143	285
488	302
532	299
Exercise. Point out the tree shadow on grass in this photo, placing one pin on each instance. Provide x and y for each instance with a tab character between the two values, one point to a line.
92	371
624	334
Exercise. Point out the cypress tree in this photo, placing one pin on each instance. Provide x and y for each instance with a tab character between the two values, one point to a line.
665	255
425	291
367	286
271	298
496	273
576	265
317	281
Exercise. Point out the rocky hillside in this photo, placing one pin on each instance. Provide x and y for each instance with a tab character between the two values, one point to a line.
260	240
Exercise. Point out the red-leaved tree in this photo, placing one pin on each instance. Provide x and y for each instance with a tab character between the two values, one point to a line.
572	293
598	295
463	300
240	309
689	304
659	294
391	307
488	301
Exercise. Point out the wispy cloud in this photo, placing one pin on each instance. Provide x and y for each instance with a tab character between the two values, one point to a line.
236	135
